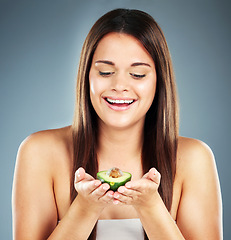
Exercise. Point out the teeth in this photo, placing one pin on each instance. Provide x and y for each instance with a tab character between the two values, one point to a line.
119	101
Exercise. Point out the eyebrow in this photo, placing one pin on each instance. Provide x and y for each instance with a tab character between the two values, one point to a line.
140	64
133	65
106	62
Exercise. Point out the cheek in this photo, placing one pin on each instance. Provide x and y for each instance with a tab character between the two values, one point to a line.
94	85
97	85
91	83
97	88
93	93
148	89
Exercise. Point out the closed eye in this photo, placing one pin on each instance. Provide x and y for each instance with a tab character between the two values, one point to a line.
137	76
105	74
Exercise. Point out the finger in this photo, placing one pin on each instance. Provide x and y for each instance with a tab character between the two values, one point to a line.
154	175
87	187
107	197
141	185
79	175
123	198
134	185
127	192
116	202
145	175
150	173
101	190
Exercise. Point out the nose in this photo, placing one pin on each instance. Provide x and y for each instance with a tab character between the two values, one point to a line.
120	83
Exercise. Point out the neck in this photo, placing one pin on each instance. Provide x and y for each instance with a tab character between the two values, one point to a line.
120	147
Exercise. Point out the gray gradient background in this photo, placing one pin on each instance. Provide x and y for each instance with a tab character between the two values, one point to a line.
40	43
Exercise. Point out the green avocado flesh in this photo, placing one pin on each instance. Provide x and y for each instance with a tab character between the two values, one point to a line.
114	182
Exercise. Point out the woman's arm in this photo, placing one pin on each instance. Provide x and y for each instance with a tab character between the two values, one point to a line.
85	209
33	201
155	218
199	211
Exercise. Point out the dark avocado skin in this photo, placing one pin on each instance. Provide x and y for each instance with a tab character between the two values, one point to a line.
114	185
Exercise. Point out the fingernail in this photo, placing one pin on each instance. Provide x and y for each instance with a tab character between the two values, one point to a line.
105	187
77	174
97	184
110	194
116	196
116	202
155	171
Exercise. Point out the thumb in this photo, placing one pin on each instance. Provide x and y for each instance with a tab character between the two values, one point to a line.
79	174
153	175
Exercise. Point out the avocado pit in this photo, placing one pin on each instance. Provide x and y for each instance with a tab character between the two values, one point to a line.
115	172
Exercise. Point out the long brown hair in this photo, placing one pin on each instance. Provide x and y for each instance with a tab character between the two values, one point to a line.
161	123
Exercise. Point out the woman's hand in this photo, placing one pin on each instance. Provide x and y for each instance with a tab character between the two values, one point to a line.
141	192
91	192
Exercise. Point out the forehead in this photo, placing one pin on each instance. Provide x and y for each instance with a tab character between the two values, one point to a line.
115	46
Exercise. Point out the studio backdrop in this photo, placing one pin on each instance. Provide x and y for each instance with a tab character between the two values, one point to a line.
40	45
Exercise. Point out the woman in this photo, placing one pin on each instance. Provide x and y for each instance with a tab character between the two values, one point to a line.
126	116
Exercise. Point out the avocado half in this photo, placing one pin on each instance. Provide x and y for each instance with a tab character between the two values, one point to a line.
114	177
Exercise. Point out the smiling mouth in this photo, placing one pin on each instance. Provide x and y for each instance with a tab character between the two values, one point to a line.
119	102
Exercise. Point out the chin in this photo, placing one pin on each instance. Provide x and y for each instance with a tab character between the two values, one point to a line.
122	124
117	125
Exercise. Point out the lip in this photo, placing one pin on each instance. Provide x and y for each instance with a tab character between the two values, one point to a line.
119	107
119	98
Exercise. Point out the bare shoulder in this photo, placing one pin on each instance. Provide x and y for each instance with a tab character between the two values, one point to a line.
43	147
190	146
47	138
195	162
194	155
39	157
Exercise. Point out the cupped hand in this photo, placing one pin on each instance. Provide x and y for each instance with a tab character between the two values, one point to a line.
91	191
140	192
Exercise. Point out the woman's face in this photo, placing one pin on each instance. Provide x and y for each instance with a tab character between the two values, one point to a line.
122	81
